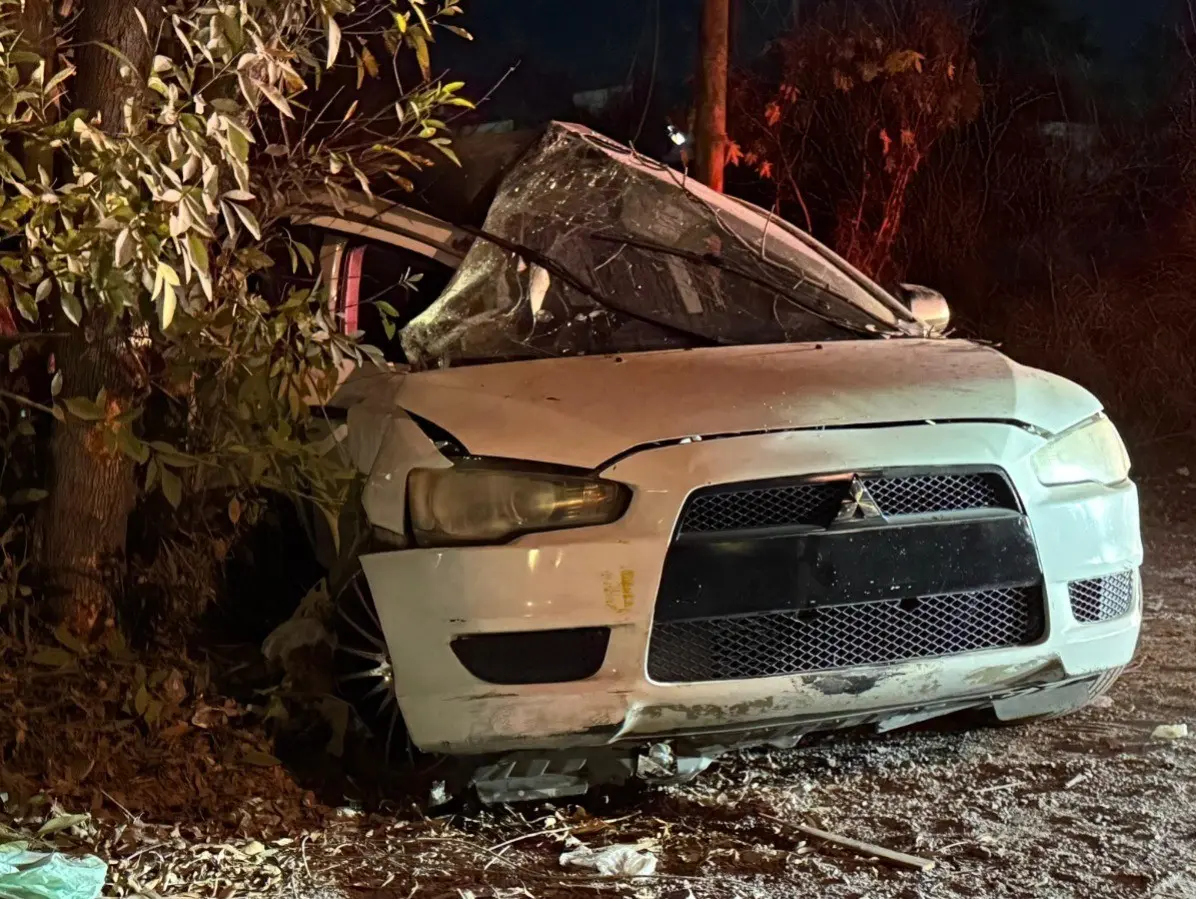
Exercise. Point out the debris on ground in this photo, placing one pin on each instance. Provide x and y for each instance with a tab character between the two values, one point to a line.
869	850
619	860
25	874
119	734
142	762
1170	732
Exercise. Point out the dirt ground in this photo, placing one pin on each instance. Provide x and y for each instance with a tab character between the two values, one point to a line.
1091	805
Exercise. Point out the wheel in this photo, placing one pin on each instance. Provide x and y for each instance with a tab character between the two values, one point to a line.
363	670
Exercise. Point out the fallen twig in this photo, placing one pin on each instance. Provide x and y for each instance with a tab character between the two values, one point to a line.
556	831
869	849
1008	786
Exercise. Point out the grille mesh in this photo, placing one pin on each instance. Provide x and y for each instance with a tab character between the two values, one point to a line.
1102	599
781	643
816	503
761	507
917	494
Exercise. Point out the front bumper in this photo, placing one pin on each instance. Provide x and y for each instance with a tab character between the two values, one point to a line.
610	577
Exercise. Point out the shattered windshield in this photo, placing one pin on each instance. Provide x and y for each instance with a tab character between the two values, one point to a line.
584	252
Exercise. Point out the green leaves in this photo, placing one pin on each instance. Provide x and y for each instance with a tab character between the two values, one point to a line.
172	487
197	256
123	250
248	220
26	305
28	496
83	408
63	822
166	279
53	658
72	308
160	227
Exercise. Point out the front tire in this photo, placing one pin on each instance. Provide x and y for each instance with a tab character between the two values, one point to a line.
363	670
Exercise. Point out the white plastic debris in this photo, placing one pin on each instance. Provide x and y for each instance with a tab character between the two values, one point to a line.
620	860
439	794
658	762
1170	732
49	875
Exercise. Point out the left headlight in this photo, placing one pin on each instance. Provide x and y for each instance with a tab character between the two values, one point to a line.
483	502
1090	452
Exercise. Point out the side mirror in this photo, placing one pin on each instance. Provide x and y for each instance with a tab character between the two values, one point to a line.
928	306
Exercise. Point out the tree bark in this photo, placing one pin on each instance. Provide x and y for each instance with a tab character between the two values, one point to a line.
711	127
92	488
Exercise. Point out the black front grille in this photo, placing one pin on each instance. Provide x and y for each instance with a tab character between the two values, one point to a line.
1102	599
815	503
873	633
761	507
918	494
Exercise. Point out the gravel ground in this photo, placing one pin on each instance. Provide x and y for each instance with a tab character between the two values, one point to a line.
1090	805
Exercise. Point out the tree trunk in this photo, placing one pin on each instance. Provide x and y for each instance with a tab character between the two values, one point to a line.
711	128
92	488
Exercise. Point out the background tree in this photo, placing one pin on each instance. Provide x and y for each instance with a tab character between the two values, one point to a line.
163	156
857	96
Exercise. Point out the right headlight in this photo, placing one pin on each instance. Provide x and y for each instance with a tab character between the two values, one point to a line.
487	502
1090	452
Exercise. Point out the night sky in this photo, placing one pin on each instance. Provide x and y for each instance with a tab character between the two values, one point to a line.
593	45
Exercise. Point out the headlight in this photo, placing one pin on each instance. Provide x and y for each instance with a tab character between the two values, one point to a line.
1091	452
480	502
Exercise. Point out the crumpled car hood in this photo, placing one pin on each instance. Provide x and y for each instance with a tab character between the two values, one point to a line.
584	411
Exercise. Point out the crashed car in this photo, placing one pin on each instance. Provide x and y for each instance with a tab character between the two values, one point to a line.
652	475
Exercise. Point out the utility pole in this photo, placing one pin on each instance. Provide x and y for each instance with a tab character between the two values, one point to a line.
711	125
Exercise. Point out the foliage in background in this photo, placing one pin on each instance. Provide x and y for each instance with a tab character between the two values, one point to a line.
152	234
853	101
1059	221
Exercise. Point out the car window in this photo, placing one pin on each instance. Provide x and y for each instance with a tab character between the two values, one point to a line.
382	289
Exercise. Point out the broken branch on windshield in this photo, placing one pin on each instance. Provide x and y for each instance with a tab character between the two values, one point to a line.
554	268
722	263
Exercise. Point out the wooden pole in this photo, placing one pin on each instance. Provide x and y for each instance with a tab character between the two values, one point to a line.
711	125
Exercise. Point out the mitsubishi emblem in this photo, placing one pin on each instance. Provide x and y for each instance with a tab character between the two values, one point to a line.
858	505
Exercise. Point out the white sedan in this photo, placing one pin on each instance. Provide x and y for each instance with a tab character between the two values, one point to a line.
656	476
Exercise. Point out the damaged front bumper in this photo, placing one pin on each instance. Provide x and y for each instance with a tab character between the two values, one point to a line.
558	737
664	759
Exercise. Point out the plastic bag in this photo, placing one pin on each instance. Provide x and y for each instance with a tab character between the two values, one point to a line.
620	860
49	875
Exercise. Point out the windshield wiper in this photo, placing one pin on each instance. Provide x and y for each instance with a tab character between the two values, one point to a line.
720	262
